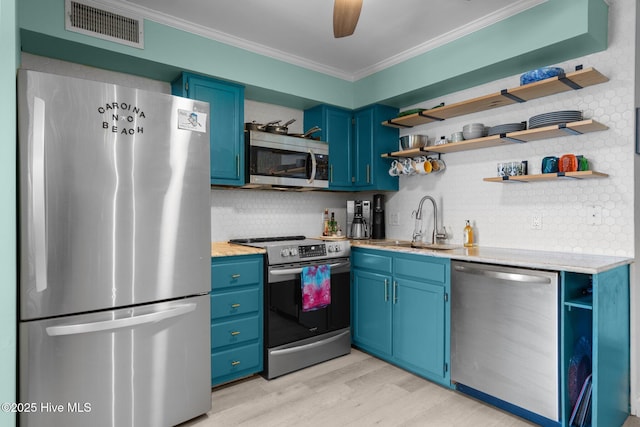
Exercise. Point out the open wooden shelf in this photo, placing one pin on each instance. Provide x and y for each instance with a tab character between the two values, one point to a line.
551	86
555	131
548	176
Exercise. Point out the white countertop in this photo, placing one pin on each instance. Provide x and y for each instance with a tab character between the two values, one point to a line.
544	260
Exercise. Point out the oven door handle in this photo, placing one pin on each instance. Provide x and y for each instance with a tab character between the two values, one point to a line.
298	270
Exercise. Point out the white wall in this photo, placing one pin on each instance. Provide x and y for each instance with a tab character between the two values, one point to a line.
502	212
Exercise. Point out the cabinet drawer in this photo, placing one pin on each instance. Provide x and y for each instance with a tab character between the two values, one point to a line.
233	303
234	332
239	359
235	273
370	261
422	268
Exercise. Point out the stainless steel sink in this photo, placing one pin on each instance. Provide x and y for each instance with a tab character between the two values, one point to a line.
408	244
436	246
397	243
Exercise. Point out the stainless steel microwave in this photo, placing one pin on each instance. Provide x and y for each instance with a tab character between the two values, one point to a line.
275	160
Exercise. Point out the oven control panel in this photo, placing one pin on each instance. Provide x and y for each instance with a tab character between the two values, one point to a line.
318	250
309	251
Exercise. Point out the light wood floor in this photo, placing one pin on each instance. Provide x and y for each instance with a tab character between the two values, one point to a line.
353	390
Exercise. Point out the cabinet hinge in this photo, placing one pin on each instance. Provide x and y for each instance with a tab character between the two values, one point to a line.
446	297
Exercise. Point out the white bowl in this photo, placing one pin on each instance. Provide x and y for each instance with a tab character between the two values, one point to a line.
473	134
473	126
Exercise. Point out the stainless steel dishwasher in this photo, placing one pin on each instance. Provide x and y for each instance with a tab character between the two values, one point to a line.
504	335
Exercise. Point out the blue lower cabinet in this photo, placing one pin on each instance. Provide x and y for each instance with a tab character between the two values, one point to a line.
235	363
236	317
371	312
400	310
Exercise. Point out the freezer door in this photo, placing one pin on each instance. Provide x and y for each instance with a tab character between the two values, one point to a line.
114	196
145	366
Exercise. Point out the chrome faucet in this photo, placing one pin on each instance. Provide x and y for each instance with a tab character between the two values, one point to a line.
417	231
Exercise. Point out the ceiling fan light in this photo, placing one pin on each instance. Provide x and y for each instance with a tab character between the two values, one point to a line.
345	17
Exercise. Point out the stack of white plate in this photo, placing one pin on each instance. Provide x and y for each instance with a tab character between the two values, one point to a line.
555	118
474	130
506	128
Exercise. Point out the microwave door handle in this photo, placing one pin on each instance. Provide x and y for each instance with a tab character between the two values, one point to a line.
314	165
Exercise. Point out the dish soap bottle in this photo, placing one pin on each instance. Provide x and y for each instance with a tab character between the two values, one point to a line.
325	223
468	235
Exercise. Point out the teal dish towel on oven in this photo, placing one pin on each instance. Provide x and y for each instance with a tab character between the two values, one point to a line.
315	282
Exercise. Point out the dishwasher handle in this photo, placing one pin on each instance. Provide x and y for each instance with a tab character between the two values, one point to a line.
504	275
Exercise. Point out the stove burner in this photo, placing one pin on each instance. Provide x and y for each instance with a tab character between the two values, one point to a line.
266	239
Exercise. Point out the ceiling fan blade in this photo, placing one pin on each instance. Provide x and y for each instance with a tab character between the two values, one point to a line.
345	17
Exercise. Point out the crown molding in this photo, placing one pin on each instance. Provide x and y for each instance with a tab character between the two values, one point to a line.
473	26
190	27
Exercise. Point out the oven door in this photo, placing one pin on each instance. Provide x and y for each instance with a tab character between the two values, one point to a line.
286	321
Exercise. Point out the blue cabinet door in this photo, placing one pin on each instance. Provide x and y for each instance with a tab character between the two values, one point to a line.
363	149
371	315
371	140
419	326
226	118
336	131
356	140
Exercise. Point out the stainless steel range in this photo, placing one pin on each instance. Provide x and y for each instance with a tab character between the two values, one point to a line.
307	301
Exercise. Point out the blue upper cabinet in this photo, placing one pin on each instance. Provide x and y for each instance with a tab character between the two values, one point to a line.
337	131
356	140
371	140
226	118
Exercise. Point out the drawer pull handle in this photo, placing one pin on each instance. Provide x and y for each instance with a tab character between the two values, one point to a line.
234	333
235	305
235	276
235	363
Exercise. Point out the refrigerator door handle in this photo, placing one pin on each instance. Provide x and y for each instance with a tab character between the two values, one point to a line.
39	214
127	322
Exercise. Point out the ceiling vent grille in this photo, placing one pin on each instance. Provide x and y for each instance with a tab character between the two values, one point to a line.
105	24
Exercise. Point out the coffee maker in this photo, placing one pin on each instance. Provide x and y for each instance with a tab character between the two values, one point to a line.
377	217
358	218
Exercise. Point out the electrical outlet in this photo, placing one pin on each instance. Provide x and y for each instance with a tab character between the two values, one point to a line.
394	219
536	221
594	215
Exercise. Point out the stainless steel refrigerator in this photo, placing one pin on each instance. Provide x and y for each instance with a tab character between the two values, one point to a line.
114	254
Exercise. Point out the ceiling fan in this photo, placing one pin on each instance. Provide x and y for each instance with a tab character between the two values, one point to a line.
345	17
